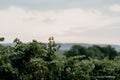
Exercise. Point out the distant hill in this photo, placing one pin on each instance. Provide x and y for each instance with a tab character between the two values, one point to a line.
8	44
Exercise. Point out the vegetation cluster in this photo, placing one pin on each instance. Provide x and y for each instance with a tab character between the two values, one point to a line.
38	61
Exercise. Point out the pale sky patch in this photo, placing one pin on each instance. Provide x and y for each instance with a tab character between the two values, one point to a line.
68	21
115	8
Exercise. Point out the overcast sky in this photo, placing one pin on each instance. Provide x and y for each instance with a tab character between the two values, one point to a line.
76	21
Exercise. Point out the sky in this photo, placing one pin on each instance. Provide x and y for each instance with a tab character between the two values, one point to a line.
68	21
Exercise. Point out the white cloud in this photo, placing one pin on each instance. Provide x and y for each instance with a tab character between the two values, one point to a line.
115	8
29	24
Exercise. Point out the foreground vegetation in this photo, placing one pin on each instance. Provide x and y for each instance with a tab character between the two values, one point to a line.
38	61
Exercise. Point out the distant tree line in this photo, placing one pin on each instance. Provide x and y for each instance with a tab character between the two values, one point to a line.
94	51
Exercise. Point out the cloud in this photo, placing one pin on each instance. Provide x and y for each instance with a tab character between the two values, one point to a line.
63	23
115	8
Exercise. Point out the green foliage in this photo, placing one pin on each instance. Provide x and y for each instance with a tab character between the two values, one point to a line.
93	51
38	61
2	39
76	50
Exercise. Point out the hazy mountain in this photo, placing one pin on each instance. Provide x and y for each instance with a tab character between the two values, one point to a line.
8	44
